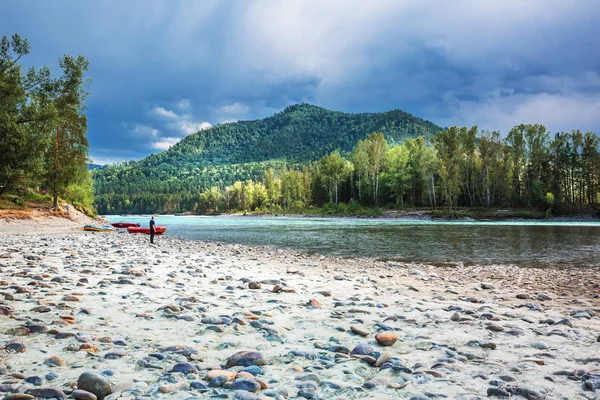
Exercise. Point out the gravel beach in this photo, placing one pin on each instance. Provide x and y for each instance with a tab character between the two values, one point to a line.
107	315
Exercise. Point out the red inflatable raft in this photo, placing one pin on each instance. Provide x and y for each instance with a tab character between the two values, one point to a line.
124	224
135	229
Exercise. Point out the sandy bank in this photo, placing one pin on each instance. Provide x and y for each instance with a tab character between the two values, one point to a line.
163	321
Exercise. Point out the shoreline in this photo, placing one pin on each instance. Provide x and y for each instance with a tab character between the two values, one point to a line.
164	320
409	218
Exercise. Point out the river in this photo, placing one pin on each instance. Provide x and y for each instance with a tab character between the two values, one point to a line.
522	243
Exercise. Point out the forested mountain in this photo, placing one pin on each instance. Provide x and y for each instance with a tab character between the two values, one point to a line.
172	180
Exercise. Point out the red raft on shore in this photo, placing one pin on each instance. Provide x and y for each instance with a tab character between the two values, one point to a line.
158	230
124	224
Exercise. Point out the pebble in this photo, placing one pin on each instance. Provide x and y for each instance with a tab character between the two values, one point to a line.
314	303
386	338
287	348
94	383
230	375
55	361
83	395
246	384
359	330
245	359
47	393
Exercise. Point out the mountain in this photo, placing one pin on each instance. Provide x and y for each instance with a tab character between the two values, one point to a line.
244	150
93	167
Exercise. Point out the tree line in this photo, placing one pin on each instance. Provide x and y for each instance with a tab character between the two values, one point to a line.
460	167
43	127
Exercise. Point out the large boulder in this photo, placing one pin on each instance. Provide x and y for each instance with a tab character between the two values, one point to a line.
94	383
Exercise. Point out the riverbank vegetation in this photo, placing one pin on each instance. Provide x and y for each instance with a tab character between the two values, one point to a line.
43	131
459	172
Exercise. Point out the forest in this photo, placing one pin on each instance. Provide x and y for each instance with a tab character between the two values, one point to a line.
450	169
43	131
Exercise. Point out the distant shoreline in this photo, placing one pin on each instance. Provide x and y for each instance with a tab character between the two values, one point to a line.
416	215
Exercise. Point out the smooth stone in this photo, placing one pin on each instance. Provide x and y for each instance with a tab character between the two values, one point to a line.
383	358
18	396
83	395
201	387
386	338
359	330
314	303
34	380
51	376
245	359
308	377
498	392
245	384
94	383
55	361
362	349
254	285
184	368
370	384
218	381
210	375
487	286
47	393
494	328
245	395
253	369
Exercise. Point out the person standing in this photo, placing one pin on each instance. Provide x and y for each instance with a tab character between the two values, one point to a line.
152	229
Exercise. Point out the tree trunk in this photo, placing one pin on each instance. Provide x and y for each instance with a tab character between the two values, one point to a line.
55	185
433	187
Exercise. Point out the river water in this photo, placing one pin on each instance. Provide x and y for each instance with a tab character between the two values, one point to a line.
522	243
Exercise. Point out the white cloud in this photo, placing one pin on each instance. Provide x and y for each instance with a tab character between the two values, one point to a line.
165	143
558	112
162	112
145	132
179	124
232	112
189	127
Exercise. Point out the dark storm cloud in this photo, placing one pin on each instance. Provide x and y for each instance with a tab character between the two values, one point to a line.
164	69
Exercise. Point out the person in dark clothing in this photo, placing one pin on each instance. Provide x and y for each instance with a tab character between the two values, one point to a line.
152	229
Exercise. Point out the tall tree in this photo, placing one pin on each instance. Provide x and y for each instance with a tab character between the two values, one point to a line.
24	114
334	171
69	145
375	147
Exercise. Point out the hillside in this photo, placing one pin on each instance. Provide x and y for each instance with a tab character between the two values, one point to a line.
243	150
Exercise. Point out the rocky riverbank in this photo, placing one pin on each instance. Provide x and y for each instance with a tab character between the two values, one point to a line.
107	315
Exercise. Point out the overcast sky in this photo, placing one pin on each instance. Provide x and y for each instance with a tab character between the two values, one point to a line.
164	69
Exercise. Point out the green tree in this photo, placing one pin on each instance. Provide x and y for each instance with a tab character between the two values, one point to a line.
397	172
24	114
375	147
69	145
334	171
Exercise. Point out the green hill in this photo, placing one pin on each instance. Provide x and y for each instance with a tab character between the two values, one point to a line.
171	180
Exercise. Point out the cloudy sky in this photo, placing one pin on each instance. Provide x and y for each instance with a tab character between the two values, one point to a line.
164	69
